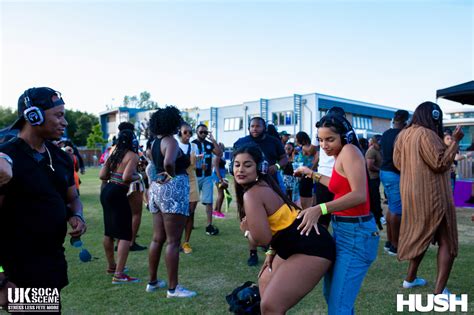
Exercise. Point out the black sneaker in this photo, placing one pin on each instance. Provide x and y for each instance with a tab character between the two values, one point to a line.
392	251
135	247
253	260
212	230
387	245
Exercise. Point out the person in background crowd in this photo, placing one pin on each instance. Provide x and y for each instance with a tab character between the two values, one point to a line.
218	175
73	157
364	145
284	136
38	197
307	157
273	131
275	155
104	156
429	214
353	225
448	139
373	158
119	171
295	263
325	167
80	160
191	150
135	192
169	200
290	182
390	177
204	171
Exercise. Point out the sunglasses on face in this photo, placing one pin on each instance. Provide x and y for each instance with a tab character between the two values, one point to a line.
186	132
204	132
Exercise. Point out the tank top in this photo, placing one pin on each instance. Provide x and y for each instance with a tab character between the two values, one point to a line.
181	164
339	186
282	218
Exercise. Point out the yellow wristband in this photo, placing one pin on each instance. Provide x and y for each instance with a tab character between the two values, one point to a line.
278	166
324	209
1	269
270	252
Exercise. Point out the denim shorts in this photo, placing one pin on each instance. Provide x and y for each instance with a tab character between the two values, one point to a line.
206	189
391	185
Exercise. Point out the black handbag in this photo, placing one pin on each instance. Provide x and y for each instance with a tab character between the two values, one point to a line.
244	299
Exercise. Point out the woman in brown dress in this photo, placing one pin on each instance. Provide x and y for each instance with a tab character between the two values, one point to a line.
428	209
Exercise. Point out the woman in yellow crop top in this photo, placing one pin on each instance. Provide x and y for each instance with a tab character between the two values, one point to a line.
295	263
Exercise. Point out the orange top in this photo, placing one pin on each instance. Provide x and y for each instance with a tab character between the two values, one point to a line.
282	218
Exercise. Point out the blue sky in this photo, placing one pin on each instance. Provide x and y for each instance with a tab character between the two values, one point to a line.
214	53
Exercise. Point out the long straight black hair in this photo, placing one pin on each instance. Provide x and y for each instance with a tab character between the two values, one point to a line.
258	157
424	116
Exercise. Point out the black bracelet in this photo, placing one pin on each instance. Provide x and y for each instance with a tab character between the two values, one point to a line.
79	216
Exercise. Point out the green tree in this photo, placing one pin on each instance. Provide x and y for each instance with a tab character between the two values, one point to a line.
95	138
7	116
79	126
142	101
84	128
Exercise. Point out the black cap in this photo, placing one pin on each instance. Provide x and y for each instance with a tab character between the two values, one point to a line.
41	97
401	115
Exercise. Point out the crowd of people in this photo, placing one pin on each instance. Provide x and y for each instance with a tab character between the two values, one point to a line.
290	193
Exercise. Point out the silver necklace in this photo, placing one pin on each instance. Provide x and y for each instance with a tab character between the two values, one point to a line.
50	159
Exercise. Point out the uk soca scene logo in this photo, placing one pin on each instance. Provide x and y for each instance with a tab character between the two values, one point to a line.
33	300
430	302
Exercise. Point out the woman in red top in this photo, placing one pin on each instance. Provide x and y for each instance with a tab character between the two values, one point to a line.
354	228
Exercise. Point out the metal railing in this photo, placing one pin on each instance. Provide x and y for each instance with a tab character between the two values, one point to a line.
464	168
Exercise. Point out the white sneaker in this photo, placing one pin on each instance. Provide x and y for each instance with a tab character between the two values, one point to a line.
158	284
180	292
418	282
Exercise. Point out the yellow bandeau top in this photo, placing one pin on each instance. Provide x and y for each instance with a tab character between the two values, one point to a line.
282	218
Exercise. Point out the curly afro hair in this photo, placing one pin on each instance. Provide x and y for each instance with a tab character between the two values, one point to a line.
126	125
166	121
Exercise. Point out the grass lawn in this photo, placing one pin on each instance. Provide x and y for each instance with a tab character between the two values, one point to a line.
219	264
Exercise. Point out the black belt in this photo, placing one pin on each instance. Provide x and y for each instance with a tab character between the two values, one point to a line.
364	218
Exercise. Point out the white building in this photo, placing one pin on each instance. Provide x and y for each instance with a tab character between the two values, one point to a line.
291	114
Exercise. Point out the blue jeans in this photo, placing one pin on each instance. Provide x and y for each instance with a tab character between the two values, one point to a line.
356	249
391	185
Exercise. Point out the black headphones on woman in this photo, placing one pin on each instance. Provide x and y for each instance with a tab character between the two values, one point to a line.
349	134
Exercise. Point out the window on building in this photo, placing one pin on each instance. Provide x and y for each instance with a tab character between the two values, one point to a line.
462	115
233	124
284	118
362	122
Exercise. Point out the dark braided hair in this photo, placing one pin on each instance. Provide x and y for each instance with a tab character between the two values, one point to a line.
124	144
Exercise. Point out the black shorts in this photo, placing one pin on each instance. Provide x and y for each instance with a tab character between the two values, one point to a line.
306	187
289	242
117	212
323	195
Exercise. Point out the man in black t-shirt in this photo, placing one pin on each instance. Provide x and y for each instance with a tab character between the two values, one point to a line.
204	171
390	178
39	200
275	155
